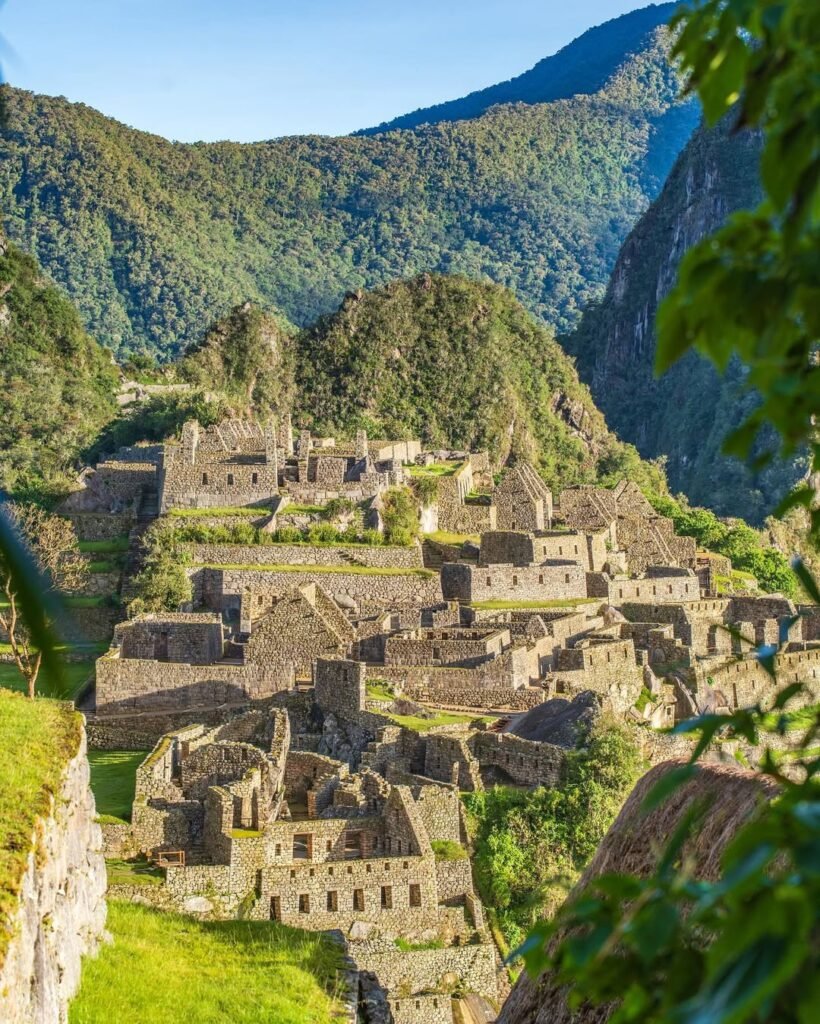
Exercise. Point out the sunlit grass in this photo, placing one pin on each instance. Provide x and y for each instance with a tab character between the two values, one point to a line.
165	967
113	778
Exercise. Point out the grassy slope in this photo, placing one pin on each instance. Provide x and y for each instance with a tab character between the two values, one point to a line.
76	675
113	777
166	967
37	739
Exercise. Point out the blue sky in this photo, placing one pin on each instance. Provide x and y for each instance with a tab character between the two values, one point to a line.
258	69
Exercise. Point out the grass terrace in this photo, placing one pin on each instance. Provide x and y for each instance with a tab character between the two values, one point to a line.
113	779
379	690
165	967
443	537
104	565
37	739
435	469
133	872
75	673
236	511
111	546
418	724
297	509
348	570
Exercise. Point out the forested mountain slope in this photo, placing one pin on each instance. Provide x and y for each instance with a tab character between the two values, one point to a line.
583	66
153	240
459	362
58	385
687	413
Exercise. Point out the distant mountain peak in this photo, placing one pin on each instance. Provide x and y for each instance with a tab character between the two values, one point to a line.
584	66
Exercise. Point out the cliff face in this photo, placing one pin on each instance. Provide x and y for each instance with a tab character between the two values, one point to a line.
61	914
687	413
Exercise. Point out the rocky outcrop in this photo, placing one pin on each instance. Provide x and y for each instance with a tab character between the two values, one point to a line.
686	414
62	910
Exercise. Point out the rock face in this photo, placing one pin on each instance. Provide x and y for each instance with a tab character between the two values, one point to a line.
62	910
685	414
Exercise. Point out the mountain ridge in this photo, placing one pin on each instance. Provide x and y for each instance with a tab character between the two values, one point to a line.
154	240
552	78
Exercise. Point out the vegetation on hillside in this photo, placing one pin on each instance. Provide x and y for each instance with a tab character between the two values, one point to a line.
58	384
663	945
735	539
37	739
531	844
162	966
686	414
457	362
583	66
152	239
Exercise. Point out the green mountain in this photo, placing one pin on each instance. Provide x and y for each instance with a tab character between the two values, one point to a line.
460	362
58	384
584	66
154	240
686	414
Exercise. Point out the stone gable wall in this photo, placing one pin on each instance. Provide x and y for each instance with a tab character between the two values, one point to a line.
152	686
369	555
468	583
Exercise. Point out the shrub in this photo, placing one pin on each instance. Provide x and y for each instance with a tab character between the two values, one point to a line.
337	508
288	535
372	537
400	514
322	533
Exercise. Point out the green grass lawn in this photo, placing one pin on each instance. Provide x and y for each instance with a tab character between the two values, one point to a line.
418	724
448	849
133	872
110	546
568	602
104	565
435	469
234	511
354	570
113	776
87	600
378	690
443	537
37	739
295	508
76	675
165	967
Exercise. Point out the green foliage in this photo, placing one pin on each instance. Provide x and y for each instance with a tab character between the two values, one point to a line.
530	844
319	534
58	384
247	357
751	290
153	239
456	362
736	541
742	948
448	849
400	515
37	739
157	418
163	584
338	508
162	966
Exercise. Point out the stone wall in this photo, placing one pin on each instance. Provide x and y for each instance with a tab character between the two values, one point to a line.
608	668
368	555
222	589
524	762
125	686
101	525
659	584
427	970
61	907
555	581
175	637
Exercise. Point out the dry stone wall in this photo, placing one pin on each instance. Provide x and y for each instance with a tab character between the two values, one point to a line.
368	555
61	908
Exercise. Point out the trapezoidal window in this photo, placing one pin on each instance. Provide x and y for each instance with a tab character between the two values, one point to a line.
230	479
358	899
204	478
415	895
302	844
566	577
254	478
353	845
304	903
333	901
387	897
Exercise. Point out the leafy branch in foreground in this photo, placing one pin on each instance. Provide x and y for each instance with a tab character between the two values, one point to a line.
752	290
673	947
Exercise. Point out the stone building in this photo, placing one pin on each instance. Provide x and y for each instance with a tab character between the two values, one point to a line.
231	463
522	500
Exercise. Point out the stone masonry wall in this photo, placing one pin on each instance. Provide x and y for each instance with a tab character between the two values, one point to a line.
468	583
61	910
369	555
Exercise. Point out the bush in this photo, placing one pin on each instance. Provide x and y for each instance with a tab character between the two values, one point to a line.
338	507
322	533
372	537
400	515
288	535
